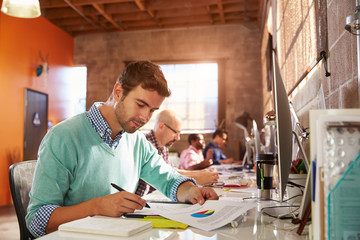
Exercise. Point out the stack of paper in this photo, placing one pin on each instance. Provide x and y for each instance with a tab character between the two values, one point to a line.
106	226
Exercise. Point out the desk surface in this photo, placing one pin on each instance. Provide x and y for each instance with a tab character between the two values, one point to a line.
254	225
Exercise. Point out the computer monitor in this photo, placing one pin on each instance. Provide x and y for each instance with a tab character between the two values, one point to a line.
283	128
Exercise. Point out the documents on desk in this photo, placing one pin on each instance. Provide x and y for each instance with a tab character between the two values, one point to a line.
211	215
233	216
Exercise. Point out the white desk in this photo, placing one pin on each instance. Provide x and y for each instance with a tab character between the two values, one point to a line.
254	226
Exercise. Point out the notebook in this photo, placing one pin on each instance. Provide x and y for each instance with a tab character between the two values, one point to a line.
106	226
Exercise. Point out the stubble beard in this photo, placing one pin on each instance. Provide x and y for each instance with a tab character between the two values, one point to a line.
126	125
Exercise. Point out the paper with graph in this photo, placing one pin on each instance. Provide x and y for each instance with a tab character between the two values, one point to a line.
211	215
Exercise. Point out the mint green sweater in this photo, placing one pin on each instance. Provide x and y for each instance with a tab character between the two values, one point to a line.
75	165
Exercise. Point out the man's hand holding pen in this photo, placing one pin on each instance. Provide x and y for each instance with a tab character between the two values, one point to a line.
121	190
116	204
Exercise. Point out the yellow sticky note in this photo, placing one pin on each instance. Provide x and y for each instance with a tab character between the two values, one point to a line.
165	223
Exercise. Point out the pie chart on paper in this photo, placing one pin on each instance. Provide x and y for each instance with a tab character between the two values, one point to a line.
203	214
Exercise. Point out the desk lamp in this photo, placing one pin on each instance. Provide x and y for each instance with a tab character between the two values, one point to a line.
243	123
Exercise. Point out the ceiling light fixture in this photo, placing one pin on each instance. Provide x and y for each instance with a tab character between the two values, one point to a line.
21	8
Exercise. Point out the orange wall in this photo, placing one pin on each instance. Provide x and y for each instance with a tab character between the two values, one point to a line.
20	43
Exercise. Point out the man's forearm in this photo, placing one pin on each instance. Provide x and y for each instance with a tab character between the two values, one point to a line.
66	214
183	191
112	205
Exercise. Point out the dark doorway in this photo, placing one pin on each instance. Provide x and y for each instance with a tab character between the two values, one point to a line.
36	122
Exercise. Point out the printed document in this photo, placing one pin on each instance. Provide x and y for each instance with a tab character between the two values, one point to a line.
211	215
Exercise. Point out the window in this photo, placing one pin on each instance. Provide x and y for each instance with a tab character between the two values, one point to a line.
78	89
194	94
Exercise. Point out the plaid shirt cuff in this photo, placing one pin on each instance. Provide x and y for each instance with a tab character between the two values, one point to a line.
40	220
175	187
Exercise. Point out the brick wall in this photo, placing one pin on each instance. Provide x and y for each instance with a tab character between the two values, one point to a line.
304	29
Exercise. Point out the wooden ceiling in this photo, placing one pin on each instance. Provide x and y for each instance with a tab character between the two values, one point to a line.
99	16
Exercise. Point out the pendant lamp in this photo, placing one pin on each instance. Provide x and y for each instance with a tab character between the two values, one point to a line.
21	8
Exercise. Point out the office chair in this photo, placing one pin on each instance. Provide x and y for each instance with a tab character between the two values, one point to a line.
20	178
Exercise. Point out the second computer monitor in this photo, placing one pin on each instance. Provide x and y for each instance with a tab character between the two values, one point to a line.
283	128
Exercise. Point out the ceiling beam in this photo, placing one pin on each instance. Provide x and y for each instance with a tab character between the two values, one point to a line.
179	4
207	7
80	12
183	12
101	10
131	17
63	3
190	20
221	11
77	16
141	5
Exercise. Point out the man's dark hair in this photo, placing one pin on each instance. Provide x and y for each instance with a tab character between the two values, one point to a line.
146	74
219	132
192	137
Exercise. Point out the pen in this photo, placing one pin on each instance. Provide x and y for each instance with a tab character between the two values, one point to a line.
235	186
120	190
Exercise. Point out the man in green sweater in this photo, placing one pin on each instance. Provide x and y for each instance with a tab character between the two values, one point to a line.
81	156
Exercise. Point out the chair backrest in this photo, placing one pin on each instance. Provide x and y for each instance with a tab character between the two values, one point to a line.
20	177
